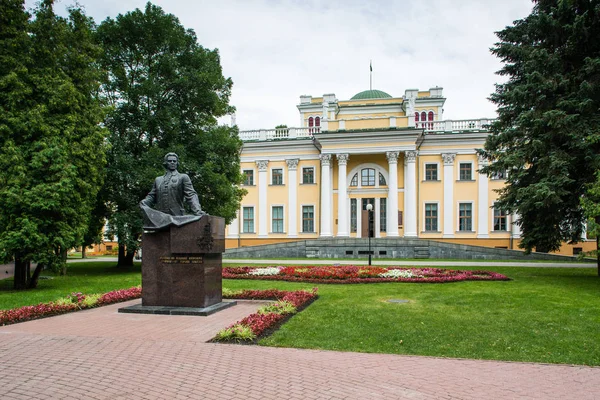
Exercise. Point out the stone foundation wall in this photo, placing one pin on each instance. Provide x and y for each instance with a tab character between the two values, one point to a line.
385	248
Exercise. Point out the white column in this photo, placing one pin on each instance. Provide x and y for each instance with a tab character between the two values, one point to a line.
410	194
263	185
342	196
358	218
376	217
448	230
233	229
292	183
392	206
516	229
482	205
325	214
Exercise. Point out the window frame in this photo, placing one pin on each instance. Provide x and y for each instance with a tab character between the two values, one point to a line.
244	172
368	169
460	177
273	219
273	183
313	175
437	168
382	214
249	220
499	176
470	218
354	183
426	217
503	217
312	220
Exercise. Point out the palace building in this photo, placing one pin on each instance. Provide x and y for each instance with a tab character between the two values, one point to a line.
416	170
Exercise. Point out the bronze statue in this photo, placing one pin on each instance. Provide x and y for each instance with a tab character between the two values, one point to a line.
168	195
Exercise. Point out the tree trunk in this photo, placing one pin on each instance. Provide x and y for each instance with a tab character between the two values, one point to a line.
63	260
33	281
20	281
598	253
597	220
83	255
129	258
125	257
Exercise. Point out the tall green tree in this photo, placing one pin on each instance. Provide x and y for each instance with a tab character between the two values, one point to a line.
51	140
546	134
591	206
166	93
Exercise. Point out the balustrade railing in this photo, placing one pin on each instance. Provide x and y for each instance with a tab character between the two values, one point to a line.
278	134
455	126
307	132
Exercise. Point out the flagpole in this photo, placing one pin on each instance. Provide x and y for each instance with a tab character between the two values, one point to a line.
370	74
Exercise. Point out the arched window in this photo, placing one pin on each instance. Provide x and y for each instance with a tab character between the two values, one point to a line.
382	180
310	122
423	116
317	121
416	117
367	177
354	181
430	118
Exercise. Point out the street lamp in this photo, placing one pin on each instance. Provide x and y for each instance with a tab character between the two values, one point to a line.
370	216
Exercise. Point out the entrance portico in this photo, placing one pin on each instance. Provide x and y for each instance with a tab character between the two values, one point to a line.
368	182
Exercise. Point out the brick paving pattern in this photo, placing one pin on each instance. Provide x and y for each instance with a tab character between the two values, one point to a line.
101	354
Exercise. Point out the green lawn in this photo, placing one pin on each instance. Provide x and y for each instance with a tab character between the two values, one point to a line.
88	277
543	315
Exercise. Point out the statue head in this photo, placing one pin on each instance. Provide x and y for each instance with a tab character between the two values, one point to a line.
171	161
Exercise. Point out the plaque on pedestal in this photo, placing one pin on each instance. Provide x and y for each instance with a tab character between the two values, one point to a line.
182	269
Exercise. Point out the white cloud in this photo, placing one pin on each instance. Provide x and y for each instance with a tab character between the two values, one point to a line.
276	51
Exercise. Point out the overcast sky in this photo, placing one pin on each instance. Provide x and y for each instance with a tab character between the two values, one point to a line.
275	51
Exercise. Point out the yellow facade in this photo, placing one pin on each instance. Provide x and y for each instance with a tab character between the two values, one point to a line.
421	177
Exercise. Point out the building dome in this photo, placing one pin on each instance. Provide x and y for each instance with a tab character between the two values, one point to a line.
371	94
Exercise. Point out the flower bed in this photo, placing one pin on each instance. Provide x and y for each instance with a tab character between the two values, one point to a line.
359	274
73	302
267	318
287	304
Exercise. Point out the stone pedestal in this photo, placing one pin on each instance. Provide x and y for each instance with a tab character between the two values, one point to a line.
182	269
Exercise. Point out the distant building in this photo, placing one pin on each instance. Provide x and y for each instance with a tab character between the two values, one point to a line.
419	172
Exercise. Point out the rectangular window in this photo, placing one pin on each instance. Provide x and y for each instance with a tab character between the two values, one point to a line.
465	217
277	219
308	219
248	177
277	176
353	215
383	215
431	172
431	217
499	175
367	177
466	172
308	175
499	219
248	220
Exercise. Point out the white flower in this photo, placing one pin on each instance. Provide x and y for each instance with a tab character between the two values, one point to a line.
398	273
265	271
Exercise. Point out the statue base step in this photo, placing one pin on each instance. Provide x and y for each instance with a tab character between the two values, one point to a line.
166	310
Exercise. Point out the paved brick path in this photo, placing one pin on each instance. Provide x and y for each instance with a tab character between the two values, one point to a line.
101	354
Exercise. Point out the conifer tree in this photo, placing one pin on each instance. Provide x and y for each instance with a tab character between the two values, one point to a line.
547	132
